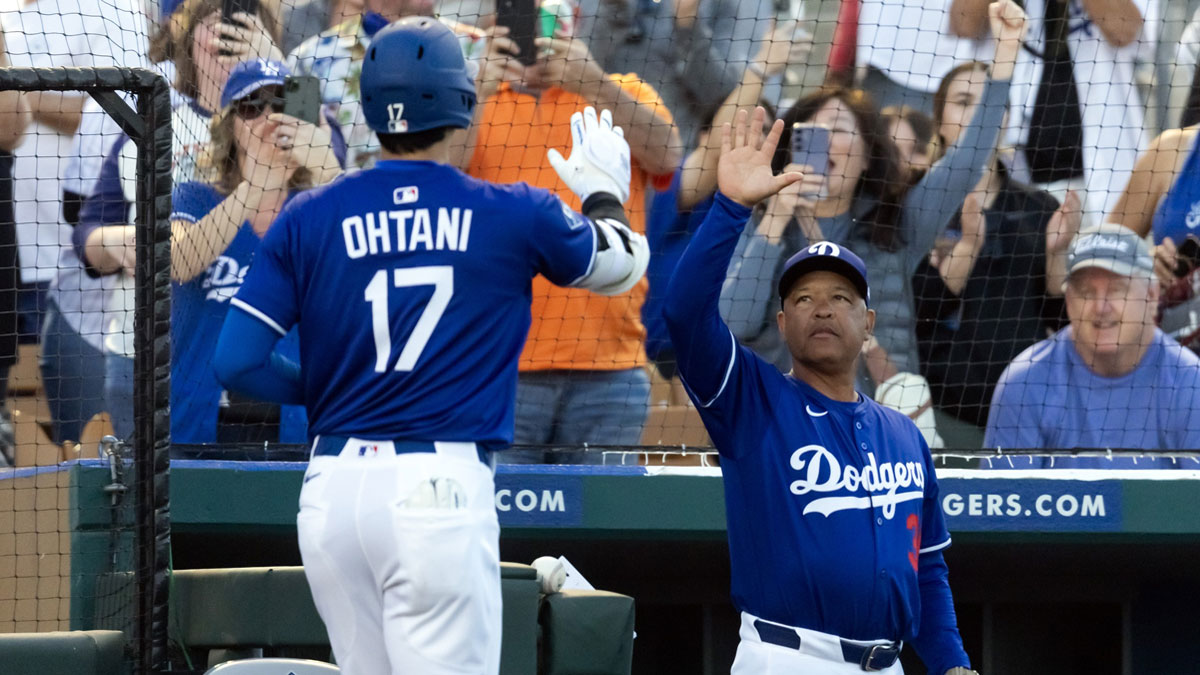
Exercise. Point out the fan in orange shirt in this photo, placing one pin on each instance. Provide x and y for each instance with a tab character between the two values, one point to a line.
582	371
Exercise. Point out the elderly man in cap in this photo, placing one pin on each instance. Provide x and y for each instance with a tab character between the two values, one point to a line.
1111	379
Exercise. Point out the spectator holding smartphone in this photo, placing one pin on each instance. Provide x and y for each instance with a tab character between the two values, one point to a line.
864	202
1162	201
189	42
582	376
257	160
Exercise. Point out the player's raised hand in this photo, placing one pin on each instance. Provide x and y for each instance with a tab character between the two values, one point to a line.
599	159
744	170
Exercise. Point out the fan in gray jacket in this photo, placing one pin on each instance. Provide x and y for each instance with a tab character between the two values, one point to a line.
864	203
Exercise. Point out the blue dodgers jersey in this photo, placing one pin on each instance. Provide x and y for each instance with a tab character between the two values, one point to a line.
198	309
829	504
411	284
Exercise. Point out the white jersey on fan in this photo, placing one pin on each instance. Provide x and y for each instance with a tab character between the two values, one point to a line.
1111	107
49	33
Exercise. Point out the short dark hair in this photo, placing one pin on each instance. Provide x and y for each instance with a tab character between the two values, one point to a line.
405	144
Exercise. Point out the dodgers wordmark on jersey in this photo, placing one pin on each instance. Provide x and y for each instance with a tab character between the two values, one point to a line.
198	309
422	275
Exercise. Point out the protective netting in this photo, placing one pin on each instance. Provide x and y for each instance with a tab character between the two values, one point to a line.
958	164
83	529
1020	188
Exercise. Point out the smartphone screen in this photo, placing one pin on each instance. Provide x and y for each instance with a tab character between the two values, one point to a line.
521	19
302	98
810	147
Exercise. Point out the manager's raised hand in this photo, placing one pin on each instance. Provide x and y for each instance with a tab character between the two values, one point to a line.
744	171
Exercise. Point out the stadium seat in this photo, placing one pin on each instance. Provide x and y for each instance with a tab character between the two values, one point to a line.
273	667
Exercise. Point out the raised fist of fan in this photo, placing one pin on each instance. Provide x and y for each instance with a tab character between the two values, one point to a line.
599	159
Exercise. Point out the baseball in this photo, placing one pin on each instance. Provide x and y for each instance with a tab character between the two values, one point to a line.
551	574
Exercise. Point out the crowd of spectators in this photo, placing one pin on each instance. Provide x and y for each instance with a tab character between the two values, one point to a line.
970	171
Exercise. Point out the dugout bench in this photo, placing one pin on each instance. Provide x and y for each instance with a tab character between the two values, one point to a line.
218	615
223	611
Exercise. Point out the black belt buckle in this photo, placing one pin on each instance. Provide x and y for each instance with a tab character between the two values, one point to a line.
887	656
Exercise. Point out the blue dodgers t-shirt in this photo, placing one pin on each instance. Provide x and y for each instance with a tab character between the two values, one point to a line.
411	283
198	309
1049	398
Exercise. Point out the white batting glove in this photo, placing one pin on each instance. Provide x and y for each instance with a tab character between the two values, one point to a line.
599	157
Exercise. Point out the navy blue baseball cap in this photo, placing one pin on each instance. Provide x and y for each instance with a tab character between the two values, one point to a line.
827	256
248	77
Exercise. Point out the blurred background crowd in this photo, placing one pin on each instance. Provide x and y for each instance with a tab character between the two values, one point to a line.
978	178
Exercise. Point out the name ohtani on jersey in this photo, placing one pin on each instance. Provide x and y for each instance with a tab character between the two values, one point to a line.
382	232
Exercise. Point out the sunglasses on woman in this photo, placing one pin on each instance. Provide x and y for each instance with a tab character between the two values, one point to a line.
252	107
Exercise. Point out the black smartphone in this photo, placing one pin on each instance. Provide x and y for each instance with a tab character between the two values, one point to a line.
302	97
521	19
231	7
1188	256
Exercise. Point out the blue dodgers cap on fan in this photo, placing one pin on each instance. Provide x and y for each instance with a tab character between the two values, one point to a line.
829	257
248	77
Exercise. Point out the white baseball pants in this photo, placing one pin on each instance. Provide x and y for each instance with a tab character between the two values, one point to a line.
402	555
818	654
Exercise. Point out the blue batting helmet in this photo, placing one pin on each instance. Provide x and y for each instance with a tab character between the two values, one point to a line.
414	78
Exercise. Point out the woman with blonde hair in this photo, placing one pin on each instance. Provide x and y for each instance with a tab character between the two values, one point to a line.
257	160
196	50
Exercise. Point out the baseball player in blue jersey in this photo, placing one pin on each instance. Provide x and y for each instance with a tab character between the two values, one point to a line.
835	531
410	286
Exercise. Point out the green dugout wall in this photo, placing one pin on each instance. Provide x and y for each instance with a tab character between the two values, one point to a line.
1053	571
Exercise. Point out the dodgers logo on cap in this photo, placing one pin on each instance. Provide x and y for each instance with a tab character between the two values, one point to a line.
827	256
248	77
825	248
